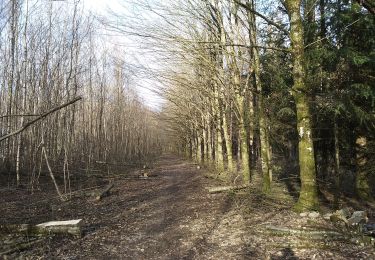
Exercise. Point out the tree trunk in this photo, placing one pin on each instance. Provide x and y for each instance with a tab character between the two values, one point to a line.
243	138
264	145
362	185
308	198
199	147
228	143
219	158
337	177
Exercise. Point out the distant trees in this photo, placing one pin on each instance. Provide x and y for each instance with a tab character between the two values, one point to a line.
50	54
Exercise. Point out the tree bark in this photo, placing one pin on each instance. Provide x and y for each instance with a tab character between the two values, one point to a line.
263	130
362	185
308	198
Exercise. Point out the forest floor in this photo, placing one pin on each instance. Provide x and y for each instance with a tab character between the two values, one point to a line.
173	216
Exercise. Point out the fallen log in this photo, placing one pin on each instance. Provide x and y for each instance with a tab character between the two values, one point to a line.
69	227
226	188
72	227
105	192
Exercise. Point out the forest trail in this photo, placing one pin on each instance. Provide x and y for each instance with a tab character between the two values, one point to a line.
172	216
169	216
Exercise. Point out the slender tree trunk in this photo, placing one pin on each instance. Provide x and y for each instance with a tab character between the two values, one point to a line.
263	129
245	156
209	141
243	136
228	143
199	147
337	177
219	148
11	76
323	28
219	158
362	185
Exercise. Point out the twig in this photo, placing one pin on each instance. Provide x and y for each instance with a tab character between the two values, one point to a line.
26	115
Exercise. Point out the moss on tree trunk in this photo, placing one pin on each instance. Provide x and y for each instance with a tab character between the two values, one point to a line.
228	143
308	198
264	145
245	159
362	185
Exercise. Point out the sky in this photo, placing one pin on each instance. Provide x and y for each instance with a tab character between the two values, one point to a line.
134	55
101	5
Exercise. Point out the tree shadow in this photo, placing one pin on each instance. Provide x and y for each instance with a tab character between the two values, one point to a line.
286	253
290	178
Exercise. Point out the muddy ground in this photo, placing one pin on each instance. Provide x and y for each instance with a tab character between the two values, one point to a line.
172	216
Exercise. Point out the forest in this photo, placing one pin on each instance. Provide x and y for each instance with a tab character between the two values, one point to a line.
266	106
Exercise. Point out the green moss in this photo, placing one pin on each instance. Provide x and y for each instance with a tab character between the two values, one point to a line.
362	187
308	198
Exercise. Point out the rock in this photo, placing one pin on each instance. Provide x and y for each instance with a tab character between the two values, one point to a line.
314	214
361	214
369	229
358	217
341	215
345	212
304	214
337	218
327	216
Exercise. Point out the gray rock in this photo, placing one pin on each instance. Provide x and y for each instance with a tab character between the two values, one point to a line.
361	214
345	212
358	217
369	229
304	214
341	215
327	216
314	214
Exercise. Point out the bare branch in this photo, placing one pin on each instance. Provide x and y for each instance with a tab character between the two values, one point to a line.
43	115
265	18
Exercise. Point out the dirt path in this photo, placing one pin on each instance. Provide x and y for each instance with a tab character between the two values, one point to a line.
160	219
169	216
172	216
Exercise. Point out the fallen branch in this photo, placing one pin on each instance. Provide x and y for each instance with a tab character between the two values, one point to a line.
226	188
62	198
105	192
317	234
118	164
43	115
20	246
